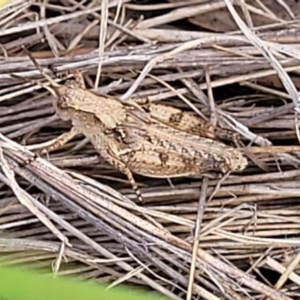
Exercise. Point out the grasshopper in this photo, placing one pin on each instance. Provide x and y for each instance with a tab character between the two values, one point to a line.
153	140
159	150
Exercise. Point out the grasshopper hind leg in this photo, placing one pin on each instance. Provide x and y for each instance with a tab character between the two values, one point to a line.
229	136
133	184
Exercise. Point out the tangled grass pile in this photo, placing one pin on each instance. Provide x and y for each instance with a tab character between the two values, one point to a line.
71	213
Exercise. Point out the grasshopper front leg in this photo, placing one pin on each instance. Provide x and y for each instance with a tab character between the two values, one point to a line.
55	143
76	74
59	141
78	77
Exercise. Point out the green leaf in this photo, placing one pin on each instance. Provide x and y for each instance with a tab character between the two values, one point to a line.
19	283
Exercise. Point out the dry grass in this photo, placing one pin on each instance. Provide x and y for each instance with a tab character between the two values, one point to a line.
75	215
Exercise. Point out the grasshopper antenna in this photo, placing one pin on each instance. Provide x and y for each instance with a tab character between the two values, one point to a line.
42	71
48	88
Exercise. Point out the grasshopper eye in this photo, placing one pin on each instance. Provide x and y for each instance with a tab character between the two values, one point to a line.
71	84
62	103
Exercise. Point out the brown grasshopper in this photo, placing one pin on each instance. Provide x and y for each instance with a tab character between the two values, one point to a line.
137	139
158	150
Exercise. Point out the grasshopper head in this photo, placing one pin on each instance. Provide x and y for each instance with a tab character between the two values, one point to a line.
65	100
66	95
